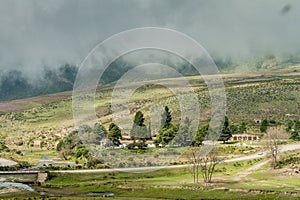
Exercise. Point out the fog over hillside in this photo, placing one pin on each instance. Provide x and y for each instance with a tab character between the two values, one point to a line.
39	37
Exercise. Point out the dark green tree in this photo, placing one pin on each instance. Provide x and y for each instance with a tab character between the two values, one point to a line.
72	146
297	125
264	126
242	128
200	136
99	132
295	136
166	117
168	130
139	130
290	125
226	133
85	133
92	135
139	119
234	129
114	134
185	135
166	134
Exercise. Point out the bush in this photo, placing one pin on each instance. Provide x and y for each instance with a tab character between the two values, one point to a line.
50	175
295	136
3	147
293	158
138	145
93	162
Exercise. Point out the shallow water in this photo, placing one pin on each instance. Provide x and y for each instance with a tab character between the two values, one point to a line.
19	185
103	194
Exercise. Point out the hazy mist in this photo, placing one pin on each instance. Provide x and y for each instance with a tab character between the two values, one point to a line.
49	33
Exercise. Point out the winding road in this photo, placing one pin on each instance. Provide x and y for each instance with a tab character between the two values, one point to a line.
283	148
5	162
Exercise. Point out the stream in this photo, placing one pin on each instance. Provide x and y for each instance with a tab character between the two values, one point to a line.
18	185
30	189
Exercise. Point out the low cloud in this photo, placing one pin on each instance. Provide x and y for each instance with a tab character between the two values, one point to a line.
47	34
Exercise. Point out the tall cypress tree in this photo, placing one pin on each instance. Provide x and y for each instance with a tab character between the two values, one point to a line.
226	132
139	119
114	134
264	125
166	117
139	129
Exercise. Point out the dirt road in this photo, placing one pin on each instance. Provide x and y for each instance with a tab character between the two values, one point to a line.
145	169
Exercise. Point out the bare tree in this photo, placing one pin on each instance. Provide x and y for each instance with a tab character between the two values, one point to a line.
271	144
208	164
204	164
193	156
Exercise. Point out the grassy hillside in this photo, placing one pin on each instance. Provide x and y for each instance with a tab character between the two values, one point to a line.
272	94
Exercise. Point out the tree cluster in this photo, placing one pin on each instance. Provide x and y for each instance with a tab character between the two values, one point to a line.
73	145
168	131
183	136
294	127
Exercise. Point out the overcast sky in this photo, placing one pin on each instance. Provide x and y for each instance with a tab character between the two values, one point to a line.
35	34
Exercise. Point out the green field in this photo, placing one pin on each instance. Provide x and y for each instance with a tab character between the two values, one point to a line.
173	184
